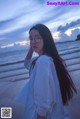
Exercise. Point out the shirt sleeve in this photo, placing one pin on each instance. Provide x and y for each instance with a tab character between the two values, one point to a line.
44	88
28	62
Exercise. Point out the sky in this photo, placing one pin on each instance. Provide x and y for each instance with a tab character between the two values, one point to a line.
18	16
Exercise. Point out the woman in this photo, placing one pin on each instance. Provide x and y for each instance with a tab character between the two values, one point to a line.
50	86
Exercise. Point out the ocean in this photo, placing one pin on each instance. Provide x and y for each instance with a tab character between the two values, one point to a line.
12	59
18	53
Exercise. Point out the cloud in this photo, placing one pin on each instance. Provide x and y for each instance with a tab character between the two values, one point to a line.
27	16
11	37
72	24
13	29
39	14
63	36
74	34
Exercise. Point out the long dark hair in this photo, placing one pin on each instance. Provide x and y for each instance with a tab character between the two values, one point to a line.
66	84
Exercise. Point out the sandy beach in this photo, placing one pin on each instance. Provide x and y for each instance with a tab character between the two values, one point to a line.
8	92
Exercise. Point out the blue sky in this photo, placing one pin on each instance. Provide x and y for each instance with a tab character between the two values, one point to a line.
17	16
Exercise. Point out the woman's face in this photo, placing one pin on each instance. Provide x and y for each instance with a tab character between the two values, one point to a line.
36	41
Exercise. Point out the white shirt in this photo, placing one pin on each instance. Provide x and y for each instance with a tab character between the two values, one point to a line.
41	95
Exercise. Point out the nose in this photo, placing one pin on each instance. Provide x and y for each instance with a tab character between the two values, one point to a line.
33	41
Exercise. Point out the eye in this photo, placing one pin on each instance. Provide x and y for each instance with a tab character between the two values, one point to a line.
38	37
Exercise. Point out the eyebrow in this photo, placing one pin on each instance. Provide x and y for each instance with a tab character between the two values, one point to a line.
35	36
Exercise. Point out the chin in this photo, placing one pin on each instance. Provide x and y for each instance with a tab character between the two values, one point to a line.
36	51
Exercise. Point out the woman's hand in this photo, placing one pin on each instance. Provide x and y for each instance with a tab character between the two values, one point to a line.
31	48
29	54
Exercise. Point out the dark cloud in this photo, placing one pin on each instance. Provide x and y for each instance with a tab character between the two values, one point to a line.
25	12
72	24
11	37
6	23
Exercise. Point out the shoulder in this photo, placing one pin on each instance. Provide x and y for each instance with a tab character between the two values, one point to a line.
44	59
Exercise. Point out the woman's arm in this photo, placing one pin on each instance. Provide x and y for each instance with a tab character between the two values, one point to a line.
27	60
